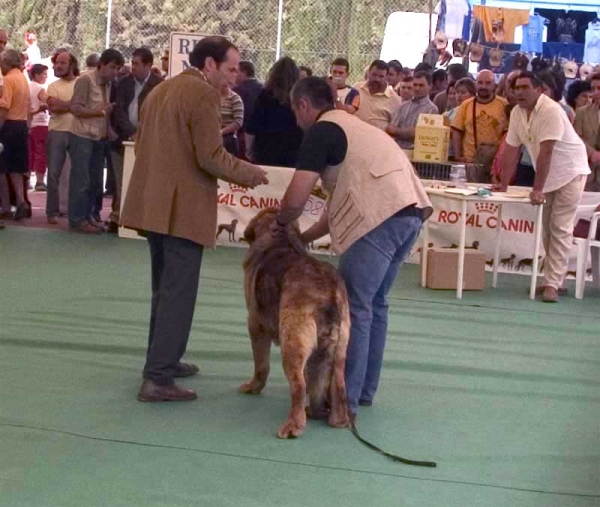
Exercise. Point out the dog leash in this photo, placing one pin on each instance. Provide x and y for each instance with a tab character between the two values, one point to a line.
393	457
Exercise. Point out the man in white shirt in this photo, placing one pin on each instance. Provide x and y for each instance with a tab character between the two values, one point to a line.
129	95
561	168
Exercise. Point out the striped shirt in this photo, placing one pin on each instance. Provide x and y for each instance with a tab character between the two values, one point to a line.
232	110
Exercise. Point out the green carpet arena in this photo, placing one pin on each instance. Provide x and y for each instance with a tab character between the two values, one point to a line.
503	392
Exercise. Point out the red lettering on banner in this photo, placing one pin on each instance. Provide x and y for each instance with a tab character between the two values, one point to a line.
453	217
442	217
227	199
491	222
471	220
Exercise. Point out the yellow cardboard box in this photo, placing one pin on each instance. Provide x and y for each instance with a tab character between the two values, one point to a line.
432	139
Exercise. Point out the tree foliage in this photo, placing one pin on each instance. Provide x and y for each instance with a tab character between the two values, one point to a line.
314	31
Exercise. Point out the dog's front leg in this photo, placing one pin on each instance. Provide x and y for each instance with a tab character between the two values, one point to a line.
261	350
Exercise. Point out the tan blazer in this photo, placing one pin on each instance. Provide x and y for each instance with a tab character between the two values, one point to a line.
587	125
179	157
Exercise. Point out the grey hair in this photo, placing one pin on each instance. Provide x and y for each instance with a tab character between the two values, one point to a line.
12	58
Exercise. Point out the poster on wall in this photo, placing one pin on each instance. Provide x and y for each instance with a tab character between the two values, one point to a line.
180	46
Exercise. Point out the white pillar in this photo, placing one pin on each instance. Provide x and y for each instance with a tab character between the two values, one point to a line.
279	25
108	22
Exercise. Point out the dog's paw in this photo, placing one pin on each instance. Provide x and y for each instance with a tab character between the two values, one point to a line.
252	387
338	421
291	429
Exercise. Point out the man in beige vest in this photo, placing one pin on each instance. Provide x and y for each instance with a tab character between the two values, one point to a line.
172	199
376	208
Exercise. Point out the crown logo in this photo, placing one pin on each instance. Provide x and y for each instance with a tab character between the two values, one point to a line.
486	207
237	189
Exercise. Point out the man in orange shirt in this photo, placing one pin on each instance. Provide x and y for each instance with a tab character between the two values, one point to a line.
14	111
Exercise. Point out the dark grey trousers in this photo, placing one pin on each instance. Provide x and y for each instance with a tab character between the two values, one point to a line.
175	276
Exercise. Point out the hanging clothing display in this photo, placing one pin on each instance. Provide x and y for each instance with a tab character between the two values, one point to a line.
566	26
558	50
499	24
591	52
533	34
452	15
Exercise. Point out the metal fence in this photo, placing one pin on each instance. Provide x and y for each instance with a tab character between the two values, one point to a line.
313	32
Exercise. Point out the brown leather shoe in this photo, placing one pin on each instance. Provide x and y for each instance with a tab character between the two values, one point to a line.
52	220
86	228
550	295
151	392
186	370
562	291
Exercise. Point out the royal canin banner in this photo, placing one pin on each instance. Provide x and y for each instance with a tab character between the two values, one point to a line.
238	205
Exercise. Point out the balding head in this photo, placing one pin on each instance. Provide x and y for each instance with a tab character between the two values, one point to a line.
486	86
3	40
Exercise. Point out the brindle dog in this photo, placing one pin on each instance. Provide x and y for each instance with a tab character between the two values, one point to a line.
300	303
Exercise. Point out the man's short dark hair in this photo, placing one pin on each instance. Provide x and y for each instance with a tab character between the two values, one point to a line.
536	82
36	70
407	79
457	71
316	90
215	47
595	77
575	90
112	56
395	65
421	74
306	69
439	76
342	62
424	66
379	65
92	60
145	56
247	68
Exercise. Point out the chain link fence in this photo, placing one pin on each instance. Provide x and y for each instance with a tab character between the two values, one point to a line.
313	32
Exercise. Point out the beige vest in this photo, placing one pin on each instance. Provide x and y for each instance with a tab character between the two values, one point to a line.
374	182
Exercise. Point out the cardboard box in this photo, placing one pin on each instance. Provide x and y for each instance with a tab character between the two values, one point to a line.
432	139
442	269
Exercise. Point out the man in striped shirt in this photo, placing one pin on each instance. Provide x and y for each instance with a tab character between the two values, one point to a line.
232	118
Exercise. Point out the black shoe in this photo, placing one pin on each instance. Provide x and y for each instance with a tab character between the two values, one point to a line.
112	228
365	403
22	212
40	187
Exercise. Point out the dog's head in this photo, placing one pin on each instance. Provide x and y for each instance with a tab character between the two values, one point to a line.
259	231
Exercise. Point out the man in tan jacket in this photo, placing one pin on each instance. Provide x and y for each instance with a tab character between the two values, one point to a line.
376	208
172	199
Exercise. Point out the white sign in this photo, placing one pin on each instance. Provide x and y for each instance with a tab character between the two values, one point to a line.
180	47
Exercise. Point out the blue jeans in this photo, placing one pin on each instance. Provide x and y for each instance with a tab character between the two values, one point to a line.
85	183
57	147
369	268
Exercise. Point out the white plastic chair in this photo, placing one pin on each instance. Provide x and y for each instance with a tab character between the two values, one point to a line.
584	245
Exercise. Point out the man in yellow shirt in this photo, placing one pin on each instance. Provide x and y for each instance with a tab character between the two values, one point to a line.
14	111
479	123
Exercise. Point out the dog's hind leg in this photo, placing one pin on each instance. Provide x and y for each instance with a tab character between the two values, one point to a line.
318	378
298	336
337	389
261	350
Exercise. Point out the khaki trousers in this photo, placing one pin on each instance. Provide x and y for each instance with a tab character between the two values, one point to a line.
558	222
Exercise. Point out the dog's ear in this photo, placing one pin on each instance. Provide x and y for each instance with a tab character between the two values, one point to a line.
249	234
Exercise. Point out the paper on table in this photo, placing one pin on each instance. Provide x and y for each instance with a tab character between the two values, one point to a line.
461	191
